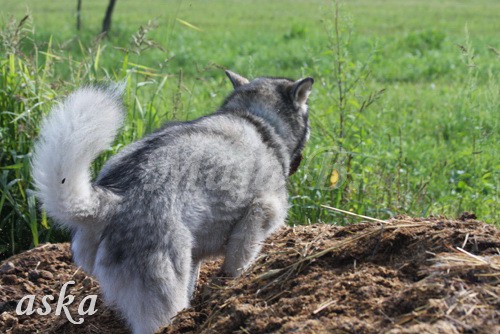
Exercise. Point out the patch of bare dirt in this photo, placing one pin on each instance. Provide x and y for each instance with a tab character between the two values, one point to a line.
431	275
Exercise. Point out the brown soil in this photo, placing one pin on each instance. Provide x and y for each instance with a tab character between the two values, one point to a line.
409	276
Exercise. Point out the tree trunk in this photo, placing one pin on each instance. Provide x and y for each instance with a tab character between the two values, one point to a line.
78	16
106	24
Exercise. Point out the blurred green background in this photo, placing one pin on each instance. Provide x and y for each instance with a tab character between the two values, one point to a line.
404	112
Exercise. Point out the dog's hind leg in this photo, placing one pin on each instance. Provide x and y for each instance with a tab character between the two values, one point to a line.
245	241
150	294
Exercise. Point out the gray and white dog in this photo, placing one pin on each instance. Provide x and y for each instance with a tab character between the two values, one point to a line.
191	190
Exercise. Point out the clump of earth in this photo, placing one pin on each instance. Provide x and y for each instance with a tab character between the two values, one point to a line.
409	275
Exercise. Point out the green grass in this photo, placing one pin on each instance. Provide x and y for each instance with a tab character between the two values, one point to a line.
426	144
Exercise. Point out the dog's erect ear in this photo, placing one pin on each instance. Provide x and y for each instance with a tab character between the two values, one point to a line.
236	79
301	90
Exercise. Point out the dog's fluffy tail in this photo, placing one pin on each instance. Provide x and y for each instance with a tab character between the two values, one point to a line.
72	136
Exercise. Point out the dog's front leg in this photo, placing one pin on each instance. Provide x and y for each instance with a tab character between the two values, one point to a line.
248	234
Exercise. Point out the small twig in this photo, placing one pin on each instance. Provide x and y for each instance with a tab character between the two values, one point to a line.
373	219
277	295
465	241
76	271
473	256
458	322
491	293
323	306
244	330
354	214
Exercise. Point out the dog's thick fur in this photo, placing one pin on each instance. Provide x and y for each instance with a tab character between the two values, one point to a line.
191	190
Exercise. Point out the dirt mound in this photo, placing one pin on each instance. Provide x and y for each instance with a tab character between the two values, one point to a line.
407	276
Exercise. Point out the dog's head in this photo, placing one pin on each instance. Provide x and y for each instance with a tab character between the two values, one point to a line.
282	103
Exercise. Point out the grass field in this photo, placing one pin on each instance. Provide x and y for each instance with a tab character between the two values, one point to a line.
404	110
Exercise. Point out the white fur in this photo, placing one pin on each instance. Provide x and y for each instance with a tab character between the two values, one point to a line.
72	136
